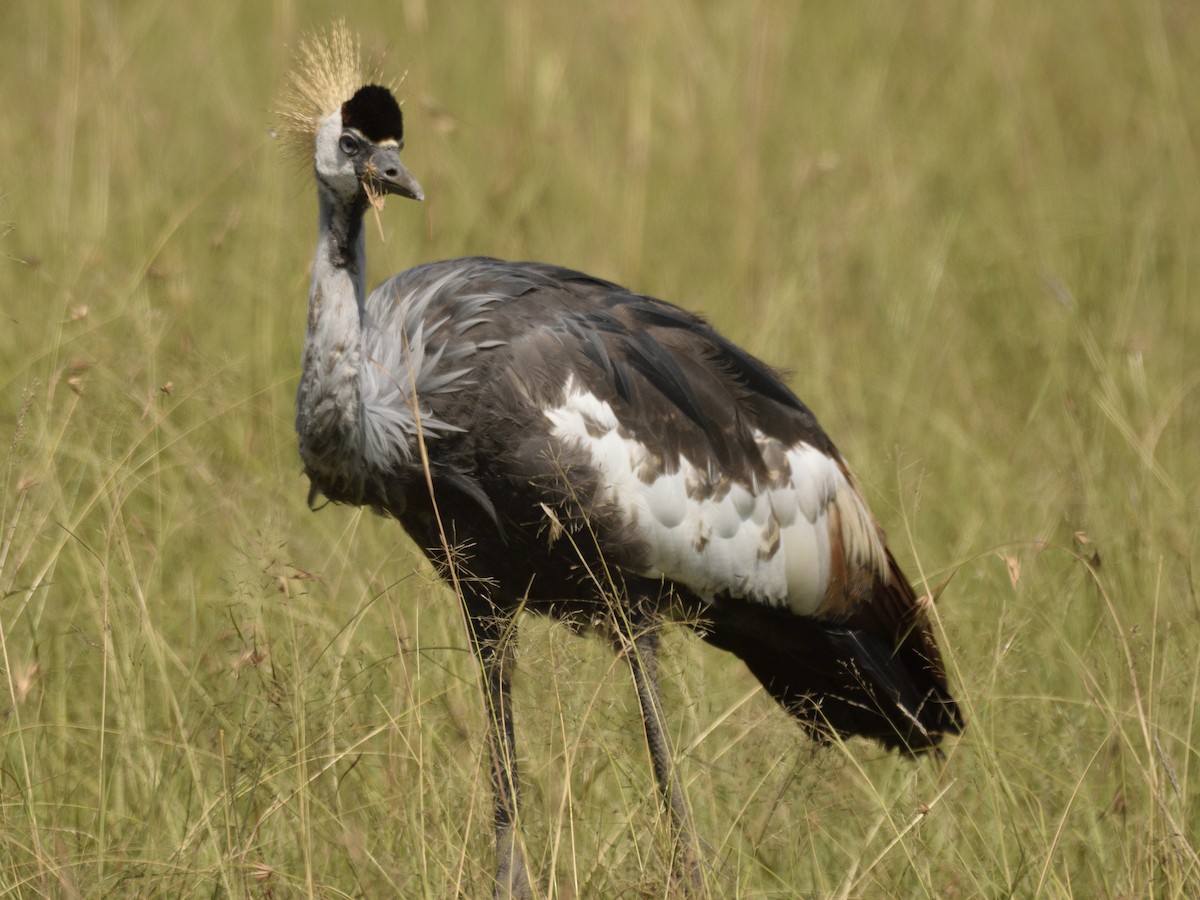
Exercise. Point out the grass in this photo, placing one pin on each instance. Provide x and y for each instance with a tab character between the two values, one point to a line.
969	232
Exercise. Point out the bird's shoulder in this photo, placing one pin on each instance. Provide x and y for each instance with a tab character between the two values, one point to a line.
524	336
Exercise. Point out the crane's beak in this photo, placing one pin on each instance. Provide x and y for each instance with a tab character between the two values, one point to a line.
384	172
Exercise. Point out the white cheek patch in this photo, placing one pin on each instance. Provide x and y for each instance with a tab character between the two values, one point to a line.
769	542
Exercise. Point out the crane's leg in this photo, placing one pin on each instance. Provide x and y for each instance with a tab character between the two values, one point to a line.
492	633
643	661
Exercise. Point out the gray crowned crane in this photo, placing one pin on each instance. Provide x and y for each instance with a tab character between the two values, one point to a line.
559	444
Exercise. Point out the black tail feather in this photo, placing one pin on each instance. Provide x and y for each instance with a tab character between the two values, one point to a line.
839	681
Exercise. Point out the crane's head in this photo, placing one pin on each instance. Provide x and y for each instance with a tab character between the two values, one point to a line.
358	147
354	131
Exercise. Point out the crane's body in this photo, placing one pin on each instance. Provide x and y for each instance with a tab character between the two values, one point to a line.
578	436
559	444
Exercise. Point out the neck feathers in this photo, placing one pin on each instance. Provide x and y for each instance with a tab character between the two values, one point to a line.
328	403
341	245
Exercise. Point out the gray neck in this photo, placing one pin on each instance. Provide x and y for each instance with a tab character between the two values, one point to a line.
329	398
341	249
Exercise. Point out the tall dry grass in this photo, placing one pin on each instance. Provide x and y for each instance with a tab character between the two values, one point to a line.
969	232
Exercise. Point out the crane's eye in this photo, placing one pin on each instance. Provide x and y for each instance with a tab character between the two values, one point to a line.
348	144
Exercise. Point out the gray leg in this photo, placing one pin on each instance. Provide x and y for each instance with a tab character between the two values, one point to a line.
643	661
491	632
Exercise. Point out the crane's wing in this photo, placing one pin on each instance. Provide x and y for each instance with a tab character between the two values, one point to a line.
734	486
727	484
741	499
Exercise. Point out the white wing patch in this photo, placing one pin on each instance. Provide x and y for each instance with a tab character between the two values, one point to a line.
770	543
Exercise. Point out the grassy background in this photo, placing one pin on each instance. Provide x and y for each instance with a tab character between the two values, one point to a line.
970	232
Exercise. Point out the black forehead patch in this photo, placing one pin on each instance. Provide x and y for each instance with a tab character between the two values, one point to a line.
374	112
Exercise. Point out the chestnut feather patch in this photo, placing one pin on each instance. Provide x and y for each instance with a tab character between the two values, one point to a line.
374	112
